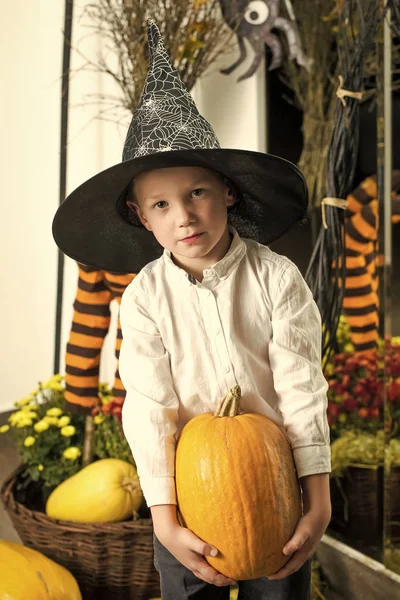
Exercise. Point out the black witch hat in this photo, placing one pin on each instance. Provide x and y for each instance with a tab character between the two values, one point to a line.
94	225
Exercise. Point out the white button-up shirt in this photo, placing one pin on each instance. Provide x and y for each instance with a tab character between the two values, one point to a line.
252	321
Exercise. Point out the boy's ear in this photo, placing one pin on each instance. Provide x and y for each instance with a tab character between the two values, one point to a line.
135	209
230	197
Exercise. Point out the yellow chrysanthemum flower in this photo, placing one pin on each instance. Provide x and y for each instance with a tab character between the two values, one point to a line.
51	420
29	441
68	431
72	453
23	402
343	418
54	412
329	370
56	387
106	399
28	414
41	426
24	423
348	348
4	428
98	419
30	407
63	421
21	416
13	418
40	467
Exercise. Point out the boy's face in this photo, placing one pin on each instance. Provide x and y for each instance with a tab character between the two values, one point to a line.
181	202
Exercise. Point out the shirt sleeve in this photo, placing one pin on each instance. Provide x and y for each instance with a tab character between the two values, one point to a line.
150	410
295	358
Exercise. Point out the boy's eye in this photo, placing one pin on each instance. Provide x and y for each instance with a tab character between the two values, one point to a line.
162	202
198	192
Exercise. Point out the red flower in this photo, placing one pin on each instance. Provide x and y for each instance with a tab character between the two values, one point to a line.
359	389
118	401
377	402
333	409
393	391
339	358
346	380
373	412
350	404
350	366
117	412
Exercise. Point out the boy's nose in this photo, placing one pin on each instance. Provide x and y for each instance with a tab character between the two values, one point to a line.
184	216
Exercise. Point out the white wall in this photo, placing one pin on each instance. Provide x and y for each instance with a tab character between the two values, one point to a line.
30	125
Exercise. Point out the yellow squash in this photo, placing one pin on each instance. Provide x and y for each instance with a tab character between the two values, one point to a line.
237	488
28	574
105	491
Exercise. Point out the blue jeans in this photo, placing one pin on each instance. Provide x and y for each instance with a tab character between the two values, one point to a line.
178	583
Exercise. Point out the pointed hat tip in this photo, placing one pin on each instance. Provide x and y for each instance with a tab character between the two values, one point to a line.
152	28
154	38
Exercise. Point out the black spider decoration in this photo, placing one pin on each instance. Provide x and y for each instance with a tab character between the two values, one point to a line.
257	19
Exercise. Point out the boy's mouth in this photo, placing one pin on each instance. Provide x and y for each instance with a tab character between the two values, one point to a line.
192	238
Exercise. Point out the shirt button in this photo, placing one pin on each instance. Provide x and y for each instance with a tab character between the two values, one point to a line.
227	369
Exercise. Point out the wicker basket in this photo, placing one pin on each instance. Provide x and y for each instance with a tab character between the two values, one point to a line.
363	508
111	561
394	506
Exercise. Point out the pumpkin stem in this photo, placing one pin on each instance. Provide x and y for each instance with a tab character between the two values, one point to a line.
132	486
229	405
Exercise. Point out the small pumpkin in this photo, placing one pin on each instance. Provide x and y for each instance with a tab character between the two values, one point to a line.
27	573
237	488
105	491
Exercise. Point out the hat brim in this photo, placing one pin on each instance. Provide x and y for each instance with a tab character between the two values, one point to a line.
89	228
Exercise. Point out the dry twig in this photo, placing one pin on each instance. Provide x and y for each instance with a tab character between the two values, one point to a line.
194	32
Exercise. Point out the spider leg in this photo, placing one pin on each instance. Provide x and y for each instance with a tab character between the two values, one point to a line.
257	44
277	53
293	38
241	59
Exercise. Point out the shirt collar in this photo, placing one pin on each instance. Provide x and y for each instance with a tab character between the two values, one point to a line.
223	268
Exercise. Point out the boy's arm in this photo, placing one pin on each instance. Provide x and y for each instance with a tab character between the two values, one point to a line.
150	410
295	358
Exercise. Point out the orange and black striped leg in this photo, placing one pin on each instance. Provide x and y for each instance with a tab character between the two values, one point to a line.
90	324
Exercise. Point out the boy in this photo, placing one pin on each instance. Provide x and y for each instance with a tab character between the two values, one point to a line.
214	310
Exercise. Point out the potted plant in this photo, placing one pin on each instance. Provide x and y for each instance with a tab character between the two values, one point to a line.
105	558
358	417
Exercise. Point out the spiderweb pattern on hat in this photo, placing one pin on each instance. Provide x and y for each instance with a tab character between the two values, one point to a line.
166	118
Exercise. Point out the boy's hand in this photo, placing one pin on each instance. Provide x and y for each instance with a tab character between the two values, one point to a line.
190	551
312	525
304	542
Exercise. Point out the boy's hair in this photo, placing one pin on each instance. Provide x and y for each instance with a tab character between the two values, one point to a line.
128	195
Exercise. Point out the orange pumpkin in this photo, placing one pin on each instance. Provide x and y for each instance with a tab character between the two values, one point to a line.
237	488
